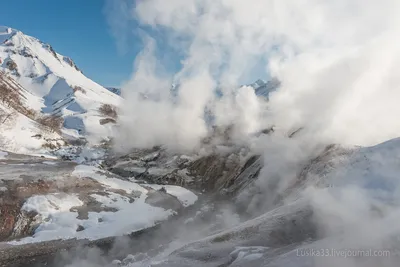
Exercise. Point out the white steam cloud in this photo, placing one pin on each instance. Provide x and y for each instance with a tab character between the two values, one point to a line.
337	61
118	17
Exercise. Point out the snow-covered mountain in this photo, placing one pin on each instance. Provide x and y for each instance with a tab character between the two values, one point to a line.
54	85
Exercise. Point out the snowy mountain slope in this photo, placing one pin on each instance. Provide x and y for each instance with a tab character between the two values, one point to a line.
18	131
56	84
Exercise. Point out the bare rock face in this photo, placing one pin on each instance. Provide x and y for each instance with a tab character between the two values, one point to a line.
216	173
223	170
152	166
9	212
15	223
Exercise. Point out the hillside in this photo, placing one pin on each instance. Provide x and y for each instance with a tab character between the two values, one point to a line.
54	85
21	128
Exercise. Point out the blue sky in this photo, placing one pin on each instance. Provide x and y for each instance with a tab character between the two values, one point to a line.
78	29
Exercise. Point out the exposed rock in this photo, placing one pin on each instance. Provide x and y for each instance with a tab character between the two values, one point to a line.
107	120
8	43
294	133
108	110
26	224
90	205
78	89
268	130
25	52
11	65
12	51
215	172
248	174
70	62
9	213
51	50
